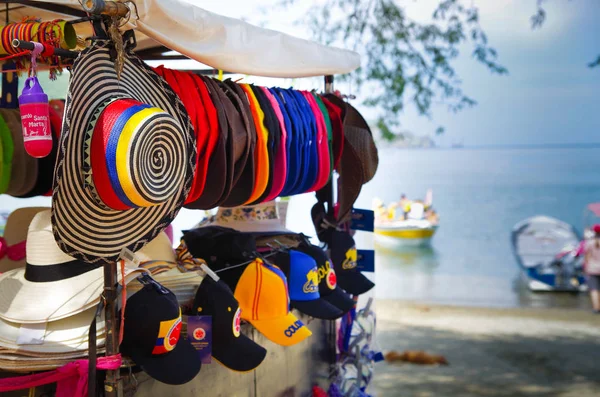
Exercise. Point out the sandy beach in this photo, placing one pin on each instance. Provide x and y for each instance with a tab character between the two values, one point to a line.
491	352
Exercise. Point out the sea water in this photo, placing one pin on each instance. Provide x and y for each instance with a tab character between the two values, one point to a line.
479	194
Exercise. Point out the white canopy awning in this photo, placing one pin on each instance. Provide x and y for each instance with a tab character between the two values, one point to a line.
230	44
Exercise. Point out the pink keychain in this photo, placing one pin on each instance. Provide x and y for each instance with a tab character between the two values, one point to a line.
35	113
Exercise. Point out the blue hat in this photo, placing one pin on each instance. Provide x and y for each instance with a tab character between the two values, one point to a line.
296	153
311	155
303	285
288	127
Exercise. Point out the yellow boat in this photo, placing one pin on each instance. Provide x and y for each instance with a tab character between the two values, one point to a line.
409	232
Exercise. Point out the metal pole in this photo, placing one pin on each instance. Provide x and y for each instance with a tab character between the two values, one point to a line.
28	45
333	183
112	384
110	8
329	84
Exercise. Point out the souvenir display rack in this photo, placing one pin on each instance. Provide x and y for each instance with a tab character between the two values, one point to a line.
96	11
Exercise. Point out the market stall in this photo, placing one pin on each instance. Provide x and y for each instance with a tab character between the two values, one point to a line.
129	147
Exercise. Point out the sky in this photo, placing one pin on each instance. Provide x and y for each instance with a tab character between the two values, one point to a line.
549	96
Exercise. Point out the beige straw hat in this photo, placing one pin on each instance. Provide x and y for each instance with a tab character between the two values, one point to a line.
260	218
15	232
53	285
63	336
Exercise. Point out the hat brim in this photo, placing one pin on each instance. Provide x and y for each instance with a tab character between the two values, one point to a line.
275	330
83	227
15	232
354	283
63	336
176	367
340	299
241	355
23	301
318	308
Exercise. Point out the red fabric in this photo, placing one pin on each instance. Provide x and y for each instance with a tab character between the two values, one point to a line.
318	392
98	152
335	114
15	252
209	135
596	228
184	86
200	121
71	379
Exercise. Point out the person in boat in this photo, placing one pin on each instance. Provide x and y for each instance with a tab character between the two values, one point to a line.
404	204
591	266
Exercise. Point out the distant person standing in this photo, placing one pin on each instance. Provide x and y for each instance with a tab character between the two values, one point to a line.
404	205
592	267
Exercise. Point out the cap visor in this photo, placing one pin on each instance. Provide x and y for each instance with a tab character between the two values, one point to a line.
354	283
340	299
177	367
242	355
283	330
318	308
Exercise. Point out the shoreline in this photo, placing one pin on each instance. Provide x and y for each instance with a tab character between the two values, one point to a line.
491	351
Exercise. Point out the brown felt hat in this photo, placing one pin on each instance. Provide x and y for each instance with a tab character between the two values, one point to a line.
217	179
359	158
24	171
238	134
242	189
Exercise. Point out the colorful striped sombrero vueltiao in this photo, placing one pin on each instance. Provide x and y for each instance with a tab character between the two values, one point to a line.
125	163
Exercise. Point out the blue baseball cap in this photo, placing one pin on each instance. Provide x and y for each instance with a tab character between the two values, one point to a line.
288	127
303	285
296	169
311	155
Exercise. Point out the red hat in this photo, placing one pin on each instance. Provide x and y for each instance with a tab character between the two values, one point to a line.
596	228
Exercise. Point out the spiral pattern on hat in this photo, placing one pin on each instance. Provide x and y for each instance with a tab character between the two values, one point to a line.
160	161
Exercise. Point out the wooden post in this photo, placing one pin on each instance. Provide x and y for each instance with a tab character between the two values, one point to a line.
110	8
112	384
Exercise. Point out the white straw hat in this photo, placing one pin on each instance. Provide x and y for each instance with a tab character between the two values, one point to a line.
63	336
15	233
53	285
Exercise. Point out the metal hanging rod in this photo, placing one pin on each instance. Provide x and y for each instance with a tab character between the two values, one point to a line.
110	8
28	45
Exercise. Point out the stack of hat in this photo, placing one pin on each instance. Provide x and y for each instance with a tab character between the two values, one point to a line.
47	305
254	144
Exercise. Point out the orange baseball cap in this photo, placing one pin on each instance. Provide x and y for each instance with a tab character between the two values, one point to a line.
261	153
263	296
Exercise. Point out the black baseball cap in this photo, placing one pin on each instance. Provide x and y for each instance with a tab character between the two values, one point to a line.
230	347
328	287
219	245
303	285
343	255
152	335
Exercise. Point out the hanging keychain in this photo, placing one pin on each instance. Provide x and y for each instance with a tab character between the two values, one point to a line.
35	116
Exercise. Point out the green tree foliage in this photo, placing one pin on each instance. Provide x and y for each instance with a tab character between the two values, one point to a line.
405	62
